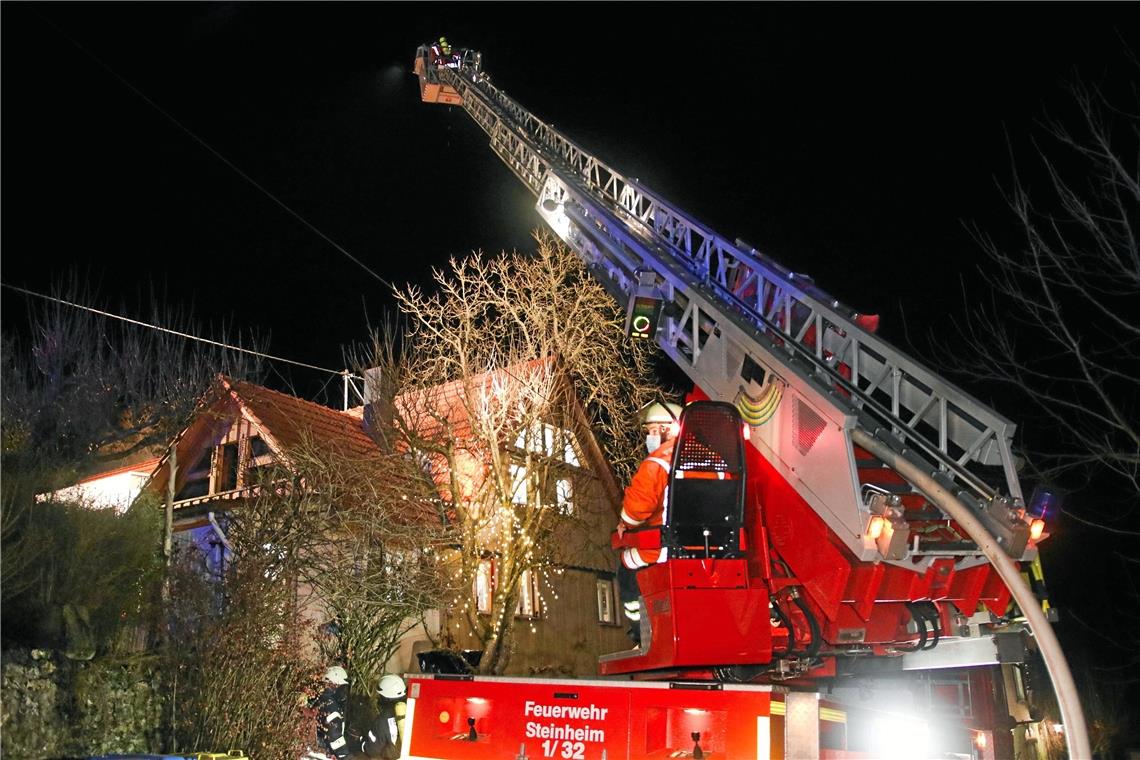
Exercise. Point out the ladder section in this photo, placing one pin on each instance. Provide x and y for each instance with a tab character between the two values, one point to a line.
736	321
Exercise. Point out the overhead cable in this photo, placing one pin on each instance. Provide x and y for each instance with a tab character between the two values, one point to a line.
188	336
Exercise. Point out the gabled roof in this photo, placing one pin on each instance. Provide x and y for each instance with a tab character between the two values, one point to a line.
287	422
292	421
283	421
450	400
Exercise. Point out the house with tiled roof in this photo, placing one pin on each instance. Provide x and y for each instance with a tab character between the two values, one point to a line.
243	429
115	488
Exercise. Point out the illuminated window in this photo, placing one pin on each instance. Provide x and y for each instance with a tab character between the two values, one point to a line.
528	605
518	484
569	454
564	496
548	440
606	612
484	576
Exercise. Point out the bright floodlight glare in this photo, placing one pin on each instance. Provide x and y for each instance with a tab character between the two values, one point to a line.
899	738
557	219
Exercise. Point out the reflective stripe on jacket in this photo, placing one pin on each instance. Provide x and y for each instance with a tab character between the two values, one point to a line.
644	503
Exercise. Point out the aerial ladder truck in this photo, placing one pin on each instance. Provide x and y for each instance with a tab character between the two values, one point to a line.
874	512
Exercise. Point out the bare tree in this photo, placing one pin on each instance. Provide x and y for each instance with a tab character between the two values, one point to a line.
338	528
83	389
1062	331
503	372
239	672
80	389
1062	327
375	559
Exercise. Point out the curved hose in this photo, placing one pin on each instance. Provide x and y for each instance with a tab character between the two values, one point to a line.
919	615
930	612
1068	699
787	621
920	623
816	634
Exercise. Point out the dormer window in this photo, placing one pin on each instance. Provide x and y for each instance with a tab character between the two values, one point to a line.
237	462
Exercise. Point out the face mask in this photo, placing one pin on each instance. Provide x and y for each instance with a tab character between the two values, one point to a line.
652	442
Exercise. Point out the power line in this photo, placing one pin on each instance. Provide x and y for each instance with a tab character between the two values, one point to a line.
188	336
216	154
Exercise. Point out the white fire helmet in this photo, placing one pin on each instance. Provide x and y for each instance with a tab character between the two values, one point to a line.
392	687
336	675
658	412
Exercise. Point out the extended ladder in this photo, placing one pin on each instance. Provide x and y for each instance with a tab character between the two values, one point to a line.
738	324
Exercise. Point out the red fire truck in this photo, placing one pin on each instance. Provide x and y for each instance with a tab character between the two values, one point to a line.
860	509
489	717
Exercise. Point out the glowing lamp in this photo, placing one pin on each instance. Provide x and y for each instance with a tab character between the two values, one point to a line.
643	317
875	527
645	305
1036	528
980	739
1043	502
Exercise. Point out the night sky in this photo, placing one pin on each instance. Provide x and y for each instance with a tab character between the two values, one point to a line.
853	143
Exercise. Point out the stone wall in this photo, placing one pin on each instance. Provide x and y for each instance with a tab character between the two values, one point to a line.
53	707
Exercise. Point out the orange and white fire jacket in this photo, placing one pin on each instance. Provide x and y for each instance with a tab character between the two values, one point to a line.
644	503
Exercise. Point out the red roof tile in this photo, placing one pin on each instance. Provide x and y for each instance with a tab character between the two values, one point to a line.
293	421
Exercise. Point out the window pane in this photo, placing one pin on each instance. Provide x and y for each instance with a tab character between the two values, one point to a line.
228	469
528	595
564	495
518	484
605	601
257	446
483	587
570	455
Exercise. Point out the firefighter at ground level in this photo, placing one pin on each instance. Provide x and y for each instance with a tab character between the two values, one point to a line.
383	736
644	503
332	705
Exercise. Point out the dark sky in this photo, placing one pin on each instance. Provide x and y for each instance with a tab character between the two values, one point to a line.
850	142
